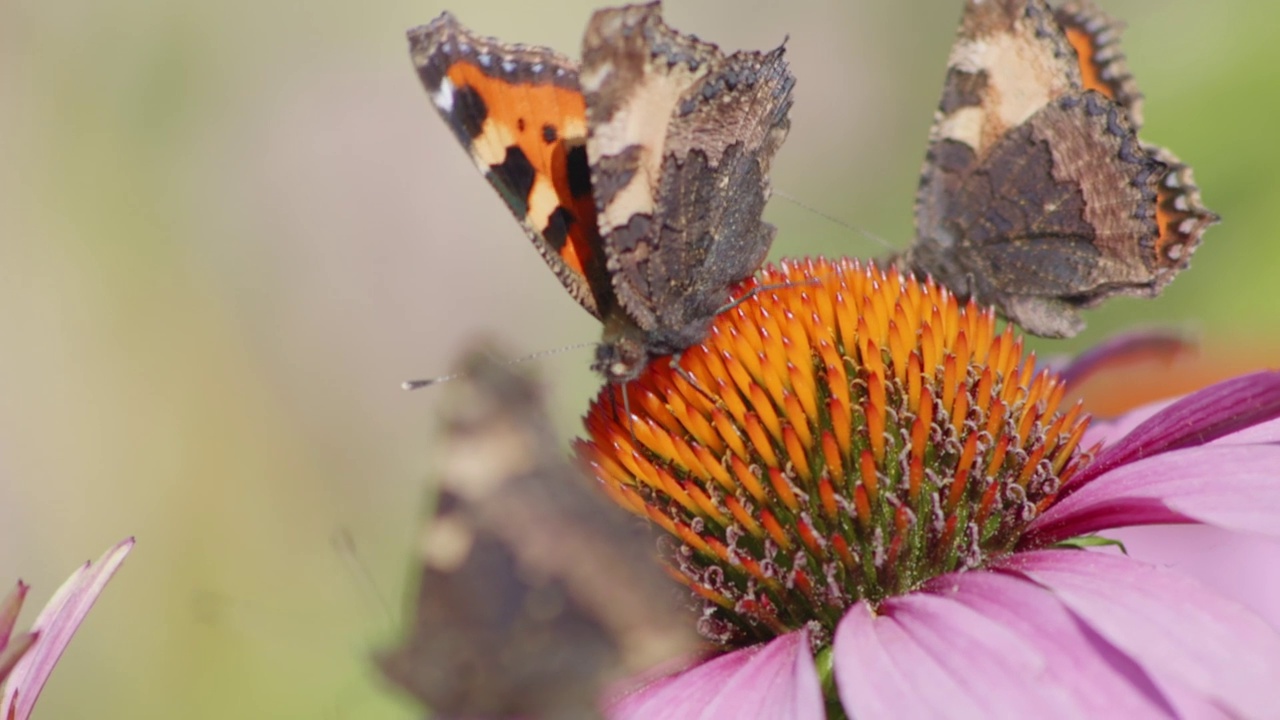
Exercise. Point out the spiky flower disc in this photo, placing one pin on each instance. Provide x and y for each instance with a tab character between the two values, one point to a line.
854	432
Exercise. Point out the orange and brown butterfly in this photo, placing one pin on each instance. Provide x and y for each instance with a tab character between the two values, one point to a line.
535	591
640	174
1037	196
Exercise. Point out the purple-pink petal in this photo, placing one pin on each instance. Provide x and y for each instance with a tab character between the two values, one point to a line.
1109	431
982	645
56	623
772	680
1196	645
938	658
1231	486
1096	676
877	666
1236	565
12	648
9	610
1201	417
1127	346
1267	432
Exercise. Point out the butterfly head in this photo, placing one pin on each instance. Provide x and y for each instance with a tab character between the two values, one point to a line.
621	360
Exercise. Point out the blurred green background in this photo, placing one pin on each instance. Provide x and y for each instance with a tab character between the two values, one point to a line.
229	230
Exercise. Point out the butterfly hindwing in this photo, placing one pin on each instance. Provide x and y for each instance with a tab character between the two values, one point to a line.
681	140
1037	196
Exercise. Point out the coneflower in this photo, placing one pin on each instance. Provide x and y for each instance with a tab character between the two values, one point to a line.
883	509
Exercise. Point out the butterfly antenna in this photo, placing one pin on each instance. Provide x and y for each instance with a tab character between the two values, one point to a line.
852	228
345	546
428	382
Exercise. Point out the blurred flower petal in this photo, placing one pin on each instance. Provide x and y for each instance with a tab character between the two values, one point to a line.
9	610
1108	432
773	680
1188	639
12	649
1163	344
1230	486
56	624
1196	419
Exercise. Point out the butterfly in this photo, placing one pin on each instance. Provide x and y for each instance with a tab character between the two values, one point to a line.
640	174
535	590
1037	197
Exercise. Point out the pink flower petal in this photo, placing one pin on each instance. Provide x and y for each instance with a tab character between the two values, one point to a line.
1267	432
56	624
1196	645
1234	564
982	645
878	666
1109	432
1231	486
1196	419
1160	343
1097	677
9	610
773	680
926	656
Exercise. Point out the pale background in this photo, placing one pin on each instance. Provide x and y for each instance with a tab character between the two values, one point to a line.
228	230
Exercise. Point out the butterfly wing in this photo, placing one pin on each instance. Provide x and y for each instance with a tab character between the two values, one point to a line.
681	139
1037	196
1181	216
518	112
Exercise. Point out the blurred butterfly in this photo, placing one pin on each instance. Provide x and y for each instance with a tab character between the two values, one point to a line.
536	590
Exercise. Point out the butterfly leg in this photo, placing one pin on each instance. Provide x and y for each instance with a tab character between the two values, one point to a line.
766	288
688	376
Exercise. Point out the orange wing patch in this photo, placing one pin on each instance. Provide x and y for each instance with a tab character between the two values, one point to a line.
1096	39
1181	217
531	139
1090	72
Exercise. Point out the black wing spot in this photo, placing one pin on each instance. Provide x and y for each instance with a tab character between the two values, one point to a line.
517	176
579	171
549	133
520	124
557	230
469	111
